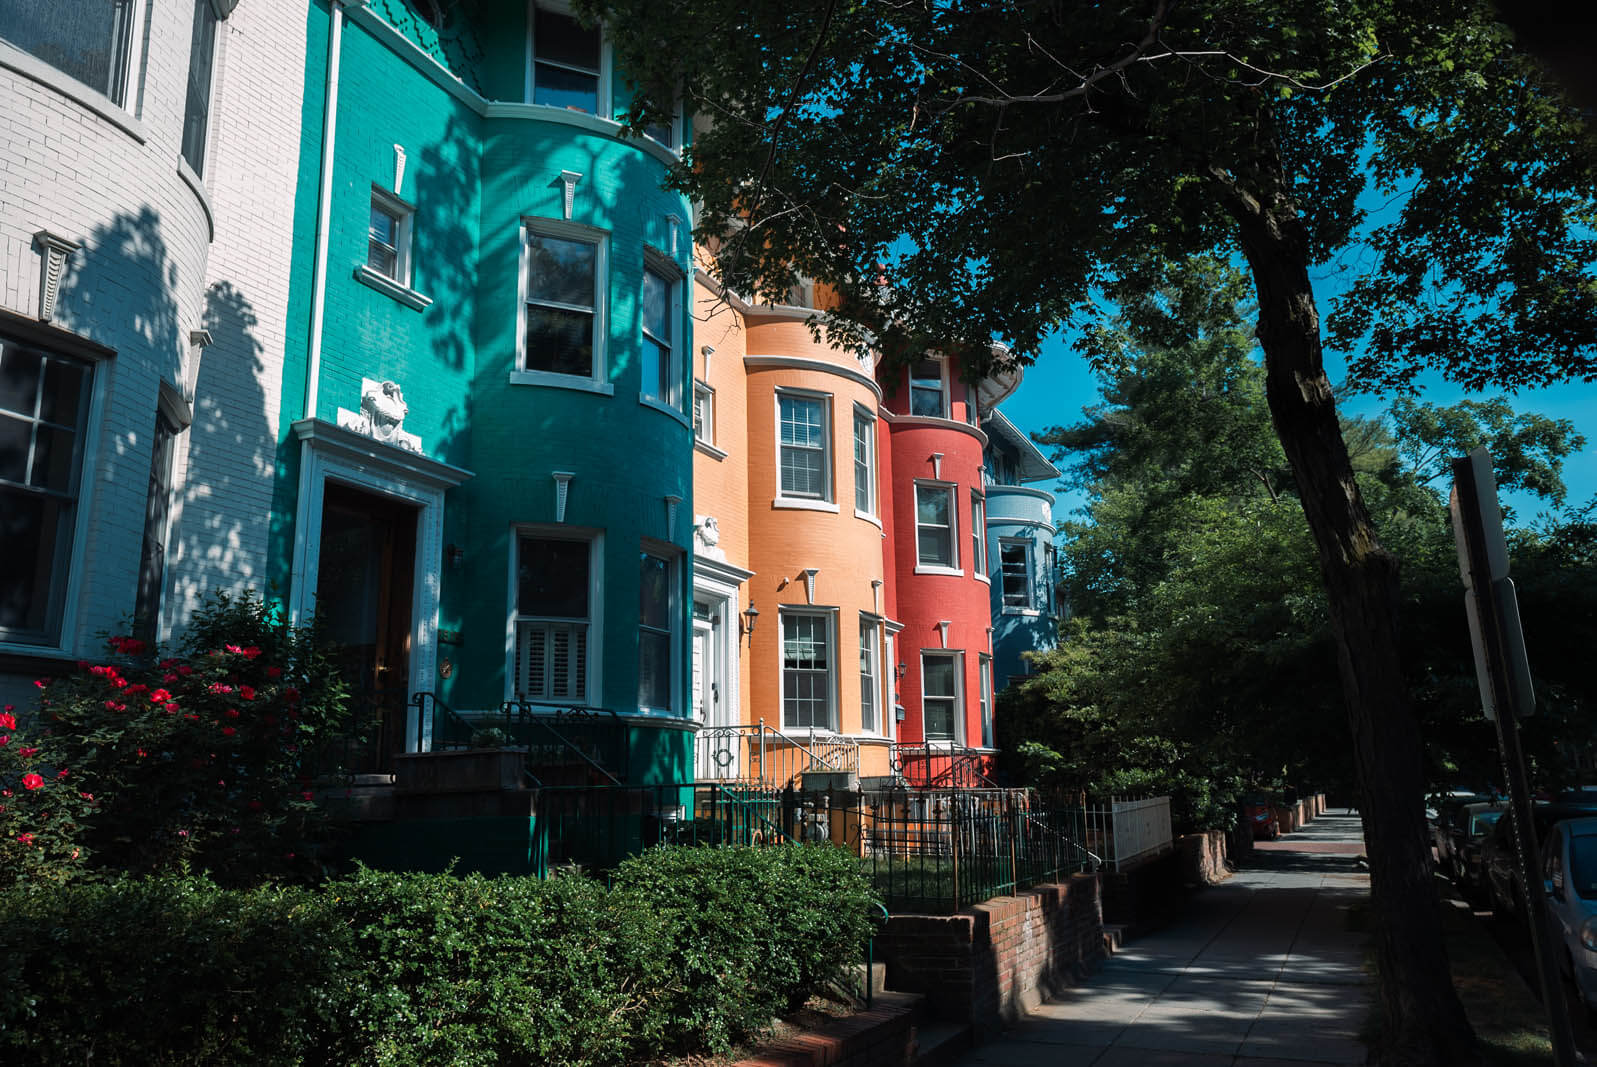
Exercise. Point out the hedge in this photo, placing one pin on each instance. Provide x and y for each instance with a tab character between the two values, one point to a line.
687	951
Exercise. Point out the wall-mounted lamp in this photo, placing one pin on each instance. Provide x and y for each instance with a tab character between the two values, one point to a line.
750	616
455	555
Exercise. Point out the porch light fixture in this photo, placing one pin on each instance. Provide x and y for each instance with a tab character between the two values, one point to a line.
750	616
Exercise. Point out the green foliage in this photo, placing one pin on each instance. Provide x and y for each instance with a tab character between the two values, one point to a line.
689	950
194	759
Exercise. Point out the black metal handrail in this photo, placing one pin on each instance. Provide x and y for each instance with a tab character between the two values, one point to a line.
961	768
439	728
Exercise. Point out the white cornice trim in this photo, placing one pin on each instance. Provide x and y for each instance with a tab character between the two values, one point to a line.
379	457
942	424
736	302
729	573
817	365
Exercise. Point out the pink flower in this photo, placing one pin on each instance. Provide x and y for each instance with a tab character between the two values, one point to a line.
172	709
169	678
160	696
250	652
24	839
8	721
246	692
26	752
111	705
308	795
219	687
62	773
86	796
274	672
182	833
32	781
235	649
142	753
41	682
5	739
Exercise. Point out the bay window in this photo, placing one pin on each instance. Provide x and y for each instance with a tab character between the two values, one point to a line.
554	595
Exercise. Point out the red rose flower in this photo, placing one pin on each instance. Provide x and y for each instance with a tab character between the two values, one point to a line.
246	692
169	678
41	682
185	670
274	672
232	713
32	781
219	687
251	652
132	689
171	709
160	696
228	731
8	721
24	839
5	739
111	705
26	752
142	753
62	773
291	694
308	795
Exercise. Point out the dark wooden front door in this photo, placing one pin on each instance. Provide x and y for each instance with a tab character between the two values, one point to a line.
365	579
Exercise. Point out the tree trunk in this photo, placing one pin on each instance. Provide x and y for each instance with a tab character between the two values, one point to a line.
1423	1021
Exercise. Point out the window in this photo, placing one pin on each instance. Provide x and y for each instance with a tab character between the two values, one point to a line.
868	695
806	671
90	40
44	401
158	506
934	526
984	665
197	106
656	631
1014	563
553	618
972	412
388	237
660	374
805	466
864	463
560	278
1050	576
926	395
565	62
704	414
940	695
978	534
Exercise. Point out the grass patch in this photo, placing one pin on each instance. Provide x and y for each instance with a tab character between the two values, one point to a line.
1507	1017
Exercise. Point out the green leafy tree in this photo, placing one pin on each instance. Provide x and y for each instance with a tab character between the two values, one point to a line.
963	171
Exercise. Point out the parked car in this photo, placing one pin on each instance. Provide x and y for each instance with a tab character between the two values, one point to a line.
1459	839
1498	860
1259	814
1569	864
1441	817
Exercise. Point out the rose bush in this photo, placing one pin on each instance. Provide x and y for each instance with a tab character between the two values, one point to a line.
198	758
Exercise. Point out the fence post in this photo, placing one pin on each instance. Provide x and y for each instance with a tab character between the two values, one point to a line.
1013	827
953	838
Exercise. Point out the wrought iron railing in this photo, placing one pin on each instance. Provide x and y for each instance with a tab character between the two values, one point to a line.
928	765
569	746
757	754
438	727
1128	831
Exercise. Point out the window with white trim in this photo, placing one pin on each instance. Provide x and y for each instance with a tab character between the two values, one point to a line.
44	405
940	695
984	664
934	526
562	300
388	237
978	534
1014	565
703	414
927	395
807	664
658	629
554	618
869	695
197	103
804	446
864	462
660	348
566	57
89	40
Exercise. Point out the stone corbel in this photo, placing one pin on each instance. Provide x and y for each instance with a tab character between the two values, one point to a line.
56	250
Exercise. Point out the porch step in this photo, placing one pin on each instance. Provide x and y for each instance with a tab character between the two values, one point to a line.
941	1044
1114	936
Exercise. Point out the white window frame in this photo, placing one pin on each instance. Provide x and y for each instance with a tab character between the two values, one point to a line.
958	712
984	684
942	386
950	492
593	674
403	214
125	79
704	414
198	168
870	649
978	535
603	102
660	265
1050	565
597	380
1030	607
828	620
827	499
865	421
672	557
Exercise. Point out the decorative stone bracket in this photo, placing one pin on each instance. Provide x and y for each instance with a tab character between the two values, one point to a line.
381	415
56	250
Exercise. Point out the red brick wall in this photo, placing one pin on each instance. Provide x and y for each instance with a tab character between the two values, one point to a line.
994	961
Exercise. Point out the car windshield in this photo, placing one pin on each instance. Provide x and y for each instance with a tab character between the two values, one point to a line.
1482	821
1583	865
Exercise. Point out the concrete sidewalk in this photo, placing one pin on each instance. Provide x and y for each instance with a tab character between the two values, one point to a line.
1259	970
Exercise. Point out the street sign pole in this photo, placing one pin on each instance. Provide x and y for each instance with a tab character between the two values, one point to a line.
1507	697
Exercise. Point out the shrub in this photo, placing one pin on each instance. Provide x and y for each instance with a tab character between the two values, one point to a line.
194	758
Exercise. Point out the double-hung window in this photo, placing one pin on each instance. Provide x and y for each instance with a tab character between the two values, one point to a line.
940	692
553	619
44	404
807	686
89	40
660	363
565	62
388	237
864	462
1014	564
934	527
1050	578
978	534
926	393
984	664
804	438
657	628
869	694
562	303
197	105
703	414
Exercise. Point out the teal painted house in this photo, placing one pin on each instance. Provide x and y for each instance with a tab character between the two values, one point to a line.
484	472
1020	548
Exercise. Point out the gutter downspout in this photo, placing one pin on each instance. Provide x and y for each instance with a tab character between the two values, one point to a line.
324	210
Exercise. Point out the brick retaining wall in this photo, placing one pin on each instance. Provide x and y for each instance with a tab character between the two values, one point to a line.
993	962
